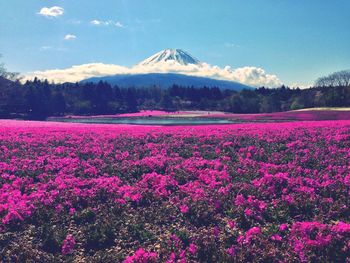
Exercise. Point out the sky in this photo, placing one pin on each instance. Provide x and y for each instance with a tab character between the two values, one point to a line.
293	40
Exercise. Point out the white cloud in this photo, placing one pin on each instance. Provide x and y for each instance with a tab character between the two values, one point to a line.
301	85
256	77
118	24
252	76
70	37
106	23
54	11
77	73
96	22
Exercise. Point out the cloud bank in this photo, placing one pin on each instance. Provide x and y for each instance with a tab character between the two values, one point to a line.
252	76
54	11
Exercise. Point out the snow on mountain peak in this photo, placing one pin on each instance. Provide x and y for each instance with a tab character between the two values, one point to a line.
170	55
166	61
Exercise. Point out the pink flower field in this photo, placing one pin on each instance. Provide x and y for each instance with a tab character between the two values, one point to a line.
304	115
232	193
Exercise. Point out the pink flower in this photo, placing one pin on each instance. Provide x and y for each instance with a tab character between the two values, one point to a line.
253	231
68	245
184	209
231	251
193	249
249	235
72	211
59	208
248	212
240	239
142	256
231	224
276	237
347	180
240	200
283	227
342	228
216	231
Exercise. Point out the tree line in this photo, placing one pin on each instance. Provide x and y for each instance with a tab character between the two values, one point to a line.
40	99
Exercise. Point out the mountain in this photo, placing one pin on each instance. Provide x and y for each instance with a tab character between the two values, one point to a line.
166	80
177	55
174	61
165	68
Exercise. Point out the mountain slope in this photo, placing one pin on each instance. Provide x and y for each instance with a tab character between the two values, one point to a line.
165	80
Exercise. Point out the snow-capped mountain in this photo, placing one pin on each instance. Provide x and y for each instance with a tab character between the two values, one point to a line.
170	55
165	68
161	69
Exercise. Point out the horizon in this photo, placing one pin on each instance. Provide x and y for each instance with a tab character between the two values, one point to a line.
294	42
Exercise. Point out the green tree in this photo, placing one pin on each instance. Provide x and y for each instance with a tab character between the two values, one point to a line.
296	104
58	104
131	102
166	103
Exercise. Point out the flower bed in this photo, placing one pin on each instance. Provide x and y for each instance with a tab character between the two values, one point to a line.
302	115
104	193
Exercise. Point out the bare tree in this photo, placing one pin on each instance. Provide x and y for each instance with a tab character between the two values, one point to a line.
345	77
2	69
336	79
7	75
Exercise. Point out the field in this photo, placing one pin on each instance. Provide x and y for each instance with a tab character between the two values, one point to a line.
311	114
262	192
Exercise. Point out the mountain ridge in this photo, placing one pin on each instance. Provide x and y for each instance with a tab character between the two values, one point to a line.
165	80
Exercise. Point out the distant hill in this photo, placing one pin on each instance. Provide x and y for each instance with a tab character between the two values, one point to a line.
165	80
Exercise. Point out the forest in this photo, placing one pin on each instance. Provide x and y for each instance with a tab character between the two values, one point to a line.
39	99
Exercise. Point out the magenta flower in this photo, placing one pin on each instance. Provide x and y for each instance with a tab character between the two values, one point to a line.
248	212
236	184
68	245
283	227
184	209
231	224
193	249
142	256
276	237
231	251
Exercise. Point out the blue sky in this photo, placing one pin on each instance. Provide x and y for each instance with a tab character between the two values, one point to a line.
296	40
